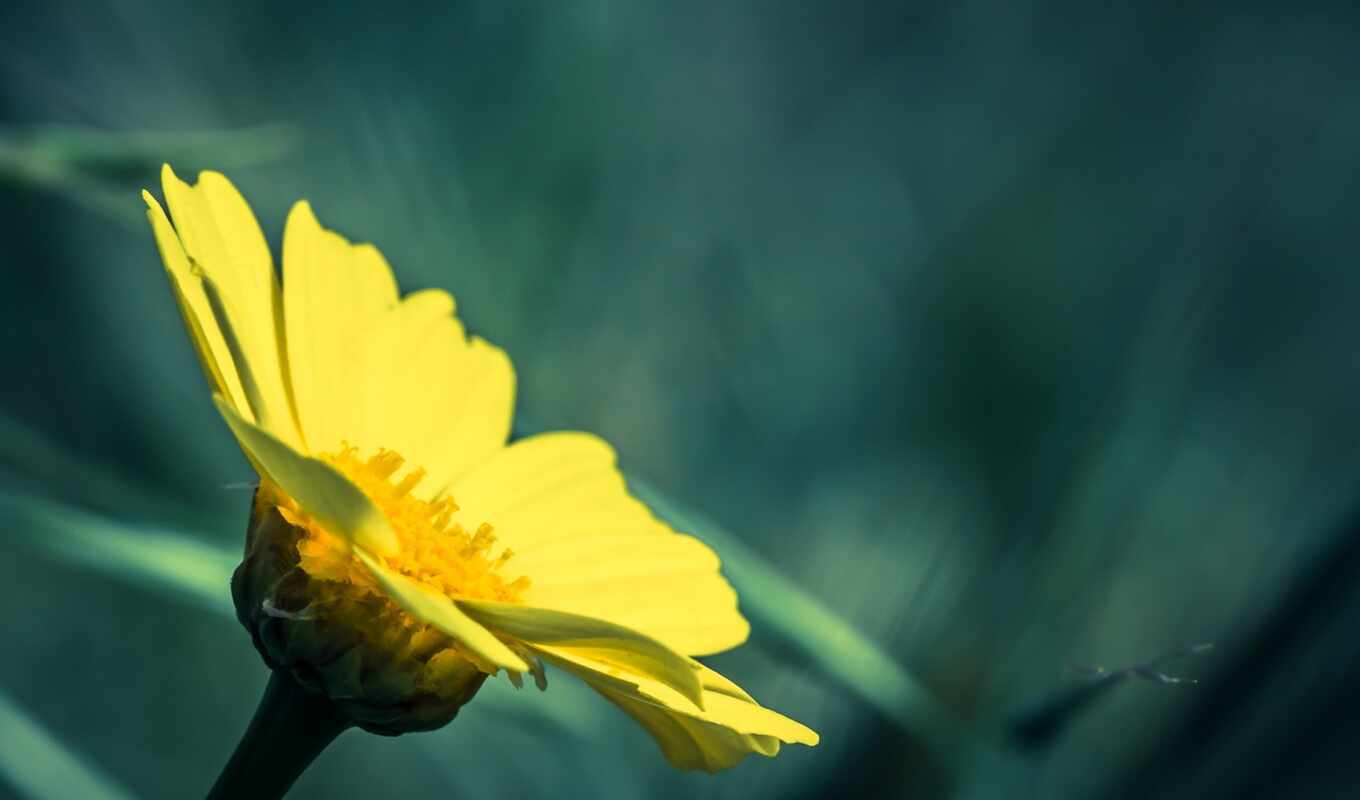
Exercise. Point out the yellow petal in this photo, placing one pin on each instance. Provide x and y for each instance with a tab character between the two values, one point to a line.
547	487
600	641
592	557
226	249
560	504
442	400
386	382
729	727
432	607
475	423
332	292
213	354
667	586
417	383
321	490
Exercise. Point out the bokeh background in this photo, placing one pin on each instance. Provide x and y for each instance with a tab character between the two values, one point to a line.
991	344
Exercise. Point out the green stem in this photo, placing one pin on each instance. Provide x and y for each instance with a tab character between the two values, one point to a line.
290	729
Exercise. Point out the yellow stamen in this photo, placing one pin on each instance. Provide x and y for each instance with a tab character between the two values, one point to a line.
434	549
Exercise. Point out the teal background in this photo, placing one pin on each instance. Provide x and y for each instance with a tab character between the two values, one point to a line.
989	343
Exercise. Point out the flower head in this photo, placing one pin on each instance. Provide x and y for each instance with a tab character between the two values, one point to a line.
400	550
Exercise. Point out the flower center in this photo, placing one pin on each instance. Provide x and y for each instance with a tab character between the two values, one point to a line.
434	548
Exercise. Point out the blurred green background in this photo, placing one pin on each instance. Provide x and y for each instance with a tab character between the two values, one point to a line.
989	344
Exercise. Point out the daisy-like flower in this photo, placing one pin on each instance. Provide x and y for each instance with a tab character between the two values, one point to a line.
400	551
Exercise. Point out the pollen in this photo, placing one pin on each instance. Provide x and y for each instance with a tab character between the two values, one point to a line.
434	548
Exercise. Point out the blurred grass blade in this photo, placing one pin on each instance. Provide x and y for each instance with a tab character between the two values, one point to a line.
192	570
21	167
120	153
200	573
37	766
89	166
800	623
44	468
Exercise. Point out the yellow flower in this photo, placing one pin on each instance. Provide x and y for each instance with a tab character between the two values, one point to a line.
393	513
